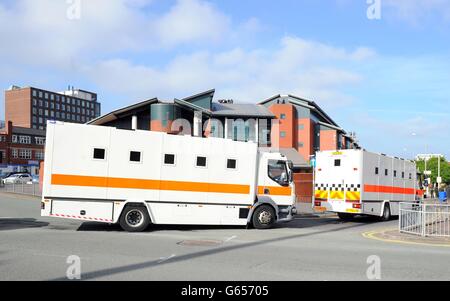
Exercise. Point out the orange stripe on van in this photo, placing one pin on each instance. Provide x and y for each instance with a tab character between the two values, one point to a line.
273	190
388	189
88	181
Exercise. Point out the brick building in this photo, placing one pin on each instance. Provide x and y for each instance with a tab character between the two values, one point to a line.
304	126
21	149
31	107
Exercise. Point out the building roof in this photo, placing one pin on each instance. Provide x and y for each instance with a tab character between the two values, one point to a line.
309	104
241	110
28	131
191	106
209	93
291	154
115	114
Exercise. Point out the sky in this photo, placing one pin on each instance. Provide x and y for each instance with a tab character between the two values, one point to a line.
380	68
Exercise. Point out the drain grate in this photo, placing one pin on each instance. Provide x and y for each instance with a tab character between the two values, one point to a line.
200	243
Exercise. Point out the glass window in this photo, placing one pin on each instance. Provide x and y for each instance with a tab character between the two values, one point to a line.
135	156
377	171
337	162
283	116
201	161
99	153
169	159
277	171
282	134
386	172
231	163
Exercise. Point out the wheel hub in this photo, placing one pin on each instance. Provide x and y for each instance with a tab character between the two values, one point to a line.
265	217
134	218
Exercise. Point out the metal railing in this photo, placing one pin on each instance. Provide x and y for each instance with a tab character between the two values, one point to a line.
22	188
425	219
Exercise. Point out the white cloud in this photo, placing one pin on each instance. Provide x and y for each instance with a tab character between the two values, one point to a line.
297	66
191	20
40	32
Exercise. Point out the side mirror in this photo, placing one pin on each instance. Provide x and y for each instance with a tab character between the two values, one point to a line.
284	177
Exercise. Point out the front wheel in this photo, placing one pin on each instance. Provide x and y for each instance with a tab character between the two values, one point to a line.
134	219
264	217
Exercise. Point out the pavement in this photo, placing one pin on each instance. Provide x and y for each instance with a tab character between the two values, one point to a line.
312	247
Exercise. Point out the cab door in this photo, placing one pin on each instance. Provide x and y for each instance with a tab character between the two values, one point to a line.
277	182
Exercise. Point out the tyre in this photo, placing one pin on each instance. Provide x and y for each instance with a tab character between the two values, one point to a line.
386	213
346	216
264	217
134	219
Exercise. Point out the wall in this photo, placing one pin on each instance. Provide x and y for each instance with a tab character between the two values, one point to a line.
18	107
305	135
286	125
328	140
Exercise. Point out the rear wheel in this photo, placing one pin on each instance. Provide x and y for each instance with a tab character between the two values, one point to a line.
386	213
134	219
264	217
346	216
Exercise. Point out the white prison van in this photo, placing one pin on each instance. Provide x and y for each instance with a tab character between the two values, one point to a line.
137	178
358	182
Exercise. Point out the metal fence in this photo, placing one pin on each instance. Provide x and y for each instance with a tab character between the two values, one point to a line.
425	219
22	188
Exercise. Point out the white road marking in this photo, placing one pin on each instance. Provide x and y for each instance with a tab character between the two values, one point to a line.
230	238
163	259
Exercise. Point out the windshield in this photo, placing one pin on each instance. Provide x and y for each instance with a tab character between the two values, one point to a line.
278	172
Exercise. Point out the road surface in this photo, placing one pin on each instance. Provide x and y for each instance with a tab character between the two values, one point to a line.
36	248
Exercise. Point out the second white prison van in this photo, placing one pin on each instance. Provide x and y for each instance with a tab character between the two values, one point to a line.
357	182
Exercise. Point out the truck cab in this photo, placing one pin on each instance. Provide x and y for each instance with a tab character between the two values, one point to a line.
275	188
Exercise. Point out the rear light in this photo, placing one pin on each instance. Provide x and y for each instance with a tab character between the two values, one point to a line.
357	206
317	204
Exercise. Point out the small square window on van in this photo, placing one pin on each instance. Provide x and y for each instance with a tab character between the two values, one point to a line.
99	153
201	161
135	156
231	164
169	159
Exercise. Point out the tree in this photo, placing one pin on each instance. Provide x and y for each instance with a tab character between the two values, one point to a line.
432	165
